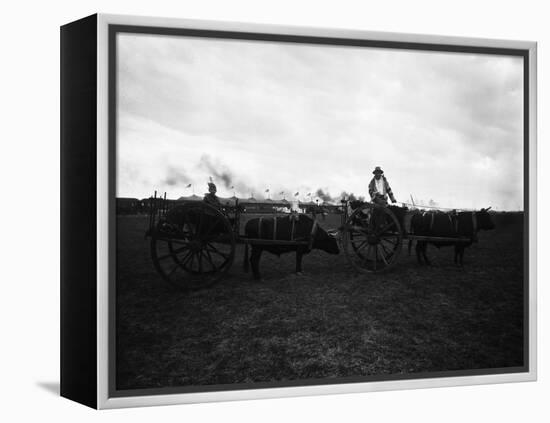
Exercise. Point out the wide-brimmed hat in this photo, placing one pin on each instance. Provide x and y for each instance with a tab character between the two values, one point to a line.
377	170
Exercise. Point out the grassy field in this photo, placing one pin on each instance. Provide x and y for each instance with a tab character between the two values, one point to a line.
327	323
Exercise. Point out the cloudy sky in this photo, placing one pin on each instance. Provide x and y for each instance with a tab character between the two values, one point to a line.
445	127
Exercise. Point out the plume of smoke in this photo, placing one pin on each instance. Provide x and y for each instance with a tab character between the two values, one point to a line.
220	173
325	196
351	196
175	177
230	181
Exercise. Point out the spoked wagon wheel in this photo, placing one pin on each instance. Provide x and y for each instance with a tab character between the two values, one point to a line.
193	246
372	238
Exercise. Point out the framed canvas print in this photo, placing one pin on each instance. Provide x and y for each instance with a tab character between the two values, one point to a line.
253	211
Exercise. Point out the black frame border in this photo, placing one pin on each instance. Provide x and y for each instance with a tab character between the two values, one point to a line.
78	211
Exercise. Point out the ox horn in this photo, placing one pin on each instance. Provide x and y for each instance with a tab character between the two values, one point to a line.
333	233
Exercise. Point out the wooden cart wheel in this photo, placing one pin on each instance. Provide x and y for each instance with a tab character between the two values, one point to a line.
372	238
193	246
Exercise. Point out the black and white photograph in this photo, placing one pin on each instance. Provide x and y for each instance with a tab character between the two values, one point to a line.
299	211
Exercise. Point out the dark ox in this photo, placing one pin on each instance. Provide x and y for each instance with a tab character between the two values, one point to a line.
449	225
297	228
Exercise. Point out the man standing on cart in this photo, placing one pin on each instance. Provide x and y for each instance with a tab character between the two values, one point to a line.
379	188
379	191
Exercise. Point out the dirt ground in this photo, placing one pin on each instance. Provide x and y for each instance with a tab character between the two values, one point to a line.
328	323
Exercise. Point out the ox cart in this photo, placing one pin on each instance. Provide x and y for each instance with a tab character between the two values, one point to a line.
193	244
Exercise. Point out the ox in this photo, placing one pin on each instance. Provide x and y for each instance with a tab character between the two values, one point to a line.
449	225
286	228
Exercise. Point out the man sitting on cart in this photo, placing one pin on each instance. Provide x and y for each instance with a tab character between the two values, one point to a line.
211	198
230	212
379	188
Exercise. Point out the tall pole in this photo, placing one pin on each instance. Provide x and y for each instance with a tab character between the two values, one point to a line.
155	208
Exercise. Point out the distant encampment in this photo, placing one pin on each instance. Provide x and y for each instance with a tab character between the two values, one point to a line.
125	205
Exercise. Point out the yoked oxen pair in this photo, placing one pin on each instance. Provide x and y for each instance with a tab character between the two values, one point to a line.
287	228
449	225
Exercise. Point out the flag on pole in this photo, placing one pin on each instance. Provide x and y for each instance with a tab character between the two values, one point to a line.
295	195
188	186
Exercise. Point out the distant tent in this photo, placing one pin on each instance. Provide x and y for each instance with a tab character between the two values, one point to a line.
127	200
190	198
230	200
250	200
